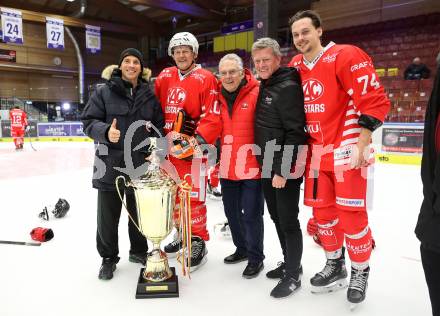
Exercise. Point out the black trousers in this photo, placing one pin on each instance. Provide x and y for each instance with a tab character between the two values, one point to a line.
282	205
244	207
431	266
109	212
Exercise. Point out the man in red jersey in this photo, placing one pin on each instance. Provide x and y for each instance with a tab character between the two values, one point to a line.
188	94
344	103
18	124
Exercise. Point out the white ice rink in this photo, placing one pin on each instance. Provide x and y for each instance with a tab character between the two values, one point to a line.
60	277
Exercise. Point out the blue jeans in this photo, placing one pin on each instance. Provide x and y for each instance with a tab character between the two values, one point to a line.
244	206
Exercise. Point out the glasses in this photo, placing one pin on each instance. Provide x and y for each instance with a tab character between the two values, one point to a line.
231	73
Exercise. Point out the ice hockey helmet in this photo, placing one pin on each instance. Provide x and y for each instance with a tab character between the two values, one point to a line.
61	208
183	38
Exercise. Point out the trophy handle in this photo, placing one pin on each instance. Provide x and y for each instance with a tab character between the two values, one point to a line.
122	200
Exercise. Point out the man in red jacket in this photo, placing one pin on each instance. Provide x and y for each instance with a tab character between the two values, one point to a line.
344	103
239	169
18	124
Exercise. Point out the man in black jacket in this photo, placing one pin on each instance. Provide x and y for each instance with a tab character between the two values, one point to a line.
109	118
428	224
279	130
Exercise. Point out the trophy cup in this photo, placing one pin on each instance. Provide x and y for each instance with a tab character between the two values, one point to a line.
155	194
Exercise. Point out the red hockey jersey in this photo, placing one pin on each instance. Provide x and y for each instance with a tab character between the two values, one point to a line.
18	119
339	85
196	93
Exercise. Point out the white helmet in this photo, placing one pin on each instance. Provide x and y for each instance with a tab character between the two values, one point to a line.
183	38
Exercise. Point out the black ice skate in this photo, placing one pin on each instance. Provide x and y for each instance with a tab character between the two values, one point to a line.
198	253
357	289
173	247
331	278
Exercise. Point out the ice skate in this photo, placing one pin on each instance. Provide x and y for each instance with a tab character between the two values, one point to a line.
174	247
357	290
331	278
198	253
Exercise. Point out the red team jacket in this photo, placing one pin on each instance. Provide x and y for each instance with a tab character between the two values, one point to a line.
236	162
339	86
196	93
18	119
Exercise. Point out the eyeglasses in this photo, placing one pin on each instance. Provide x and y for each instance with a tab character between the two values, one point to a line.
231	73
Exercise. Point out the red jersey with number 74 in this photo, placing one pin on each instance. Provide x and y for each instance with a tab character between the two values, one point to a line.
339	85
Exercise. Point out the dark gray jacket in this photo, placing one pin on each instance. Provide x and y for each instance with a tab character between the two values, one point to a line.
280	116
117	99
428	224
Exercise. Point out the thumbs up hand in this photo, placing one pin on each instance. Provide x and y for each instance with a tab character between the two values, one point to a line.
113	132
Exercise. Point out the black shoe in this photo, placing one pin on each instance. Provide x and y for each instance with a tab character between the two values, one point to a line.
138	258
108	266
285	287
235	258
252	270
278	273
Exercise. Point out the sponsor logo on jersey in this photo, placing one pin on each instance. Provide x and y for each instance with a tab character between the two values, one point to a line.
360	66
314	108
268	100
176	96
168	125
343	152
314	128
171	109
350	202
199	77
313	90
330	58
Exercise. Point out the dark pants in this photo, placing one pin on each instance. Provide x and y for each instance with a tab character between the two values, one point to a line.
244	207
431	266
282	205
109	212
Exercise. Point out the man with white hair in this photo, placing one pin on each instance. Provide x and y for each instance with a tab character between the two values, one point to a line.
239	171
189	98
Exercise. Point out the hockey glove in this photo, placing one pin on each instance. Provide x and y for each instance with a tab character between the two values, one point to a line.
186	147
312	227
42	234
184	124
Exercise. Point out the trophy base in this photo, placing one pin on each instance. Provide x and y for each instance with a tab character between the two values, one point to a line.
148	289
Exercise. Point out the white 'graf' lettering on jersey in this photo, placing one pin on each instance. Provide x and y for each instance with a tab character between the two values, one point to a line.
360	66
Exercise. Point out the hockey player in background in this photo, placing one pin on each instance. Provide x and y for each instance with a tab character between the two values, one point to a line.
344	103
19	122
189	98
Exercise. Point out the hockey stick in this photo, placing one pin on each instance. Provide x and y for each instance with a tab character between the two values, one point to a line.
21	243
30	141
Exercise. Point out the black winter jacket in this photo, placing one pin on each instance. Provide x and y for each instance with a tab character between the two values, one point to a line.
428	224
280	116
117	99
